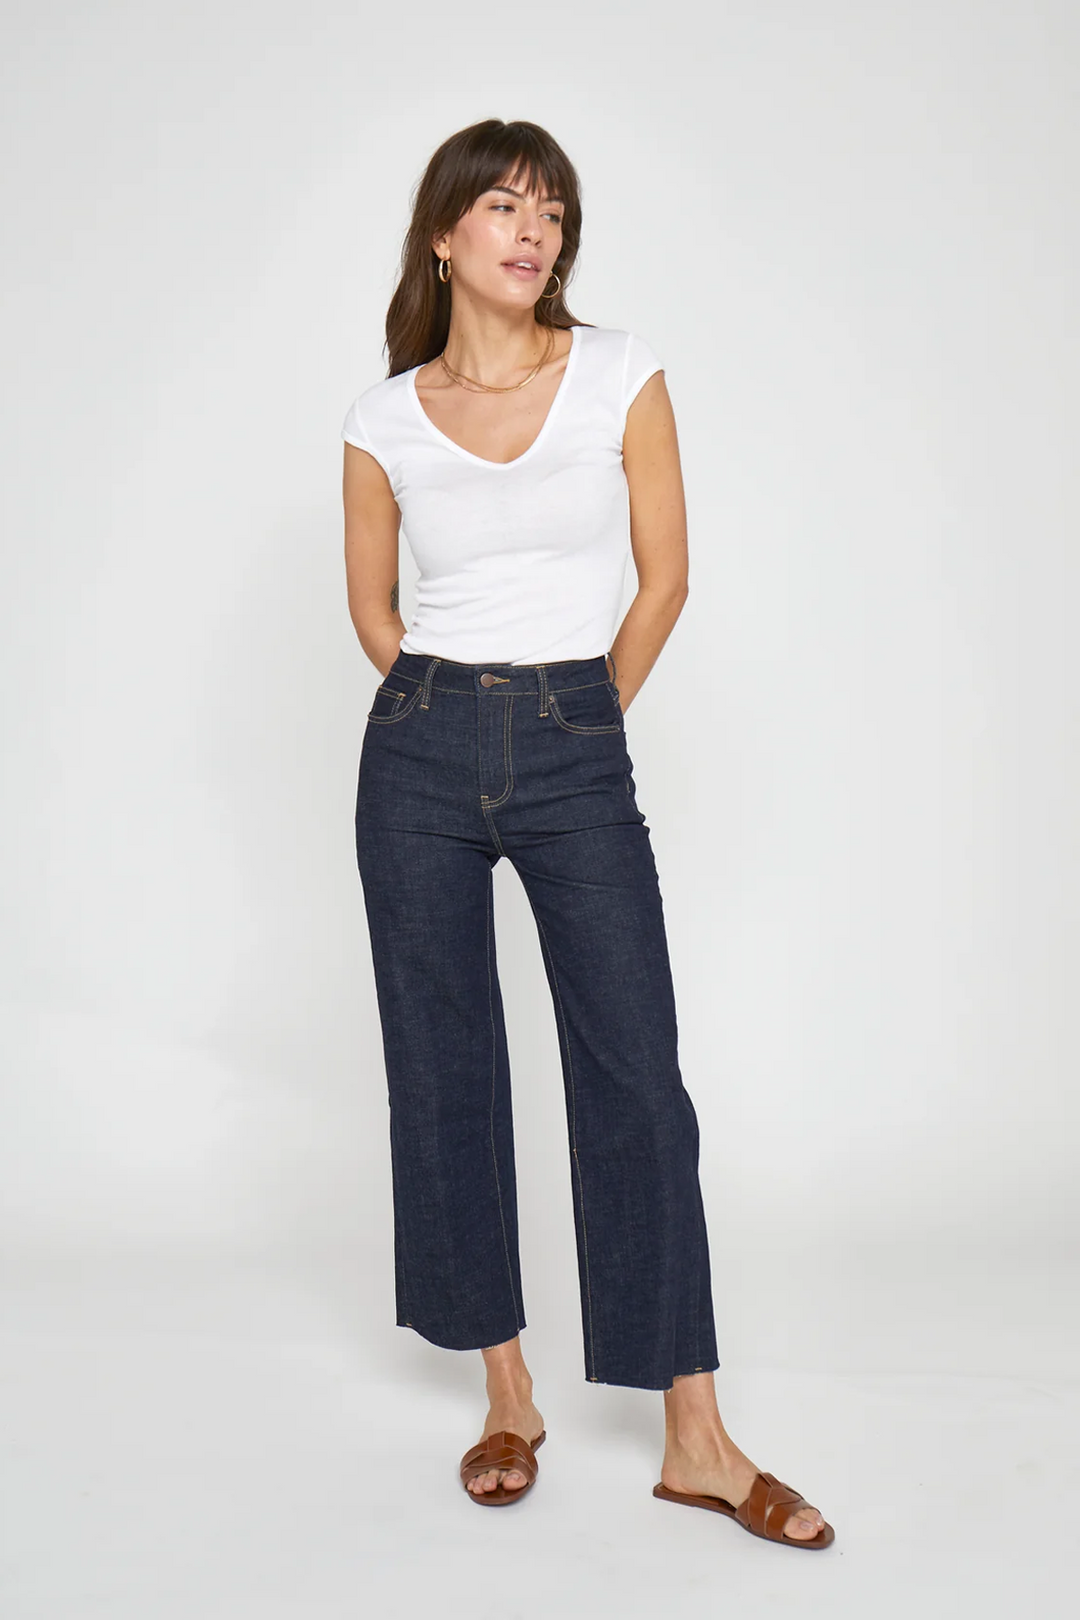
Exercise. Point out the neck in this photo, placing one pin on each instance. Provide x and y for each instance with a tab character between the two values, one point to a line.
496	347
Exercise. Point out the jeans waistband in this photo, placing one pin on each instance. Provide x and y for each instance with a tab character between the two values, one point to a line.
505	678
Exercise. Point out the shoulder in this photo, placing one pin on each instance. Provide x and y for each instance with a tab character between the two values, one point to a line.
603	343
382	398
628	356
623	361
377	411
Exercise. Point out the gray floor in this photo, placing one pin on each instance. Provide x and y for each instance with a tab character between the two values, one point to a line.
181	1444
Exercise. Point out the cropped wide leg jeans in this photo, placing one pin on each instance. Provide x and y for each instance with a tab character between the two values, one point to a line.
460	765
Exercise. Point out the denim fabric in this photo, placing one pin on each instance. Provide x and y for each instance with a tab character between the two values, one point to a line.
456	771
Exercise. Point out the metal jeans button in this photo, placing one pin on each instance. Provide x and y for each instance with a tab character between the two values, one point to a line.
487	679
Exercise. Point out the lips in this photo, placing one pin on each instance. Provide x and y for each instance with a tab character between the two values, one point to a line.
524	261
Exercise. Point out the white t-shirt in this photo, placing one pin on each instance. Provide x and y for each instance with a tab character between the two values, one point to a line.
522	562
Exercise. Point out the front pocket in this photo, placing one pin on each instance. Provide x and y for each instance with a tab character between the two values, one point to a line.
588	710
390	703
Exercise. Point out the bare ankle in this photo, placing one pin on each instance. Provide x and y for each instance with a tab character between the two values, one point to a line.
509	1382
502	1392
698	1434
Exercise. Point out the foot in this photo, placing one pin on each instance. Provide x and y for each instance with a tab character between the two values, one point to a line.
519	1419
719	1468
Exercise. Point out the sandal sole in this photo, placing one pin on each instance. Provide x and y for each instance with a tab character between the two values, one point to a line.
717	1504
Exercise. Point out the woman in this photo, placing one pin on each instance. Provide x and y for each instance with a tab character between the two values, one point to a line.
527	453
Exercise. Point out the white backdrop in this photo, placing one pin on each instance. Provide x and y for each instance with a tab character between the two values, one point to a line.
849	232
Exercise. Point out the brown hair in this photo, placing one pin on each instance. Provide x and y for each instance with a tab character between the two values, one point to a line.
461	170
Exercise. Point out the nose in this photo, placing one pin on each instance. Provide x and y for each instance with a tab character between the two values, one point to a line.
530	227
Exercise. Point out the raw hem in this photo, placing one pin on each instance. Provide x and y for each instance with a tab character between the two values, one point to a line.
640	1383
472	1342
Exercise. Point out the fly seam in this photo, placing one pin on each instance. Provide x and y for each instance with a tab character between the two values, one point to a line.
508	759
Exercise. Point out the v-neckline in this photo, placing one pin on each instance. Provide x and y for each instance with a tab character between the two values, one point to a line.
483	461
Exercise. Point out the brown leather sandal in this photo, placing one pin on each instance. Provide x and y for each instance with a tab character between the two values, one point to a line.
501	1449
764	1513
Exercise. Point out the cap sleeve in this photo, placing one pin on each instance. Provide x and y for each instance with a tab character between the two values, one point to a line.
354	432
639	364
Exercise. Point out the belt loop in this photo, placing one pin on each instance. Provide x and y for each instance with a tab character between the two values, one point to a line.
614	672
428	678
541	672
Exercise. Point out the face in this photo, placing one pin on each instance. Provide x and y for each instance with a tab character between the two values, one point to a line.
503	249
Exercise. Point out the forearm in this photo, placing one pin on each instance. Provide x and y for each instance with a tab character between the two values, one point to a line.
649	621
380	638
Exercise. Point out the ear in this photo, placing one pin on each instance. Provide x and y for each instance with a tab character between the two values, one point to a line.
442	241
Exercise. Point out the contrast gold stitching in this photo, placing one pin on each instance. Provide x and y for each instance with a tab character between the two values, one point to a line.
508	760
399	712
428	679
585	731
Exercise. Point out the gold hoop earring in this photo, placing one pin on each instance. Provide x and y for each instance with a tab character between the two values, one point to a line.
446	278
557	291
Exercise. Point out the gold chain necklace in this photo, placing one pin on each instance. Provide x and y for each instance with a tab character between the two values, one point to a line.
490	388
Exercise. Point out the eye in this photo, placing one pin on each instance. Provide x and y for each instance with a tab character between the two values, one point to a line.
554	217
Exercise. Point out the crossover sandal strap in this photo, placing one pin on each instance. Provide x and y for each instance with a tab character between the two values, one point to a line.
769	1506
503	1449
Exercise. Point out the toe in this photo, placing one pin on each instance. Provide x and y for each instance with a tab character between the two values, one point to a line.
514	1479
804	1525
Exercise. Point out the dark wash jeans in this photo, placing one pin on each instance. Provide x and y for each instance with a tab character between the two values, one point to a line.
460	765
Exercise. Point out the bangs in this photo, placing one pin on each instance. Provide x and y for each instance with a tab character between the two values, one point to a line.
532	171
